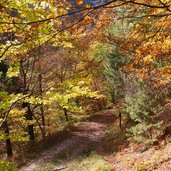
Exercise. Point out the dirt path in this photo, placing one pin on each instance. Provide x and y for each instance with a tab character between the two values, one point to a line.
86	135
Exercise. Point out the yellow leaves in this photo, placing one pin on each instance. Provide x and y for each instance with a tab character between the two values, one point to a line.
79	2
33	100
148	59
13	71
166	45
138	51
166	1
69	91
17	112
87	19
87	6
4	165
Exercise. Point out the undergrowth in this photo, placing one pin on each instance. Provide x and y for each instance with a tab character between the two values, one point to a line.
93	162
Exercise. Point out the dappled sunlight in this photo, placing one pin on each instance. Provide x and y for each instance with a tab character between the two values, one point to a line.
85	85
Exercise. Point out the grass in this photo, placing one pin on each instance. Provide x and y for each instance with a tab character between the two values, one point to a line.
93	162
86	157
38	147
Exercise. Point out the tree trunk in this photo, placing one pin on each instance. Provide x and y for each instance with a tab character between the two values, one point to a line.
41	107
29	116
5	128
8	140
113	97
43	121
120	120
66	114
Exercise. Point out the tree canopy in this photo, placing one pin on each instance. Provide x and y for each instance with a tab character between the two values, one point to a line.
60	59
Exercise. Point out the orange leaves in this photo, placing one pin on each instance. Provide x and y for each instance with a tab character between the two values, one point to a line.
129	68
166	70
79	2
153	54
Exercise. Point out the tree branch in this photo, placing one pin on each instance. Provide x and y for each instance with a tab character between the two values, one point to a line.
105	5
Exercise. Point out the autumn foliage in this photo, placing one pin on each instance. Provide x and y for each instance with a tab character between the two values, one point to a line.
60	59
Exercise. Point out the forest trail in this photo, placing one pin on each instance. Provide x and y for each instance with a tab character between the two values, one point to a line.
86	135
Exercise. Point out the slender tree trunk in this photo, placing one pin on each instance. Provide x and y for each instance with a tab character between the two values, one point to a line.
41	107
43	121
113	97
29	116
8	140
120	120
102	104
66	114
4	69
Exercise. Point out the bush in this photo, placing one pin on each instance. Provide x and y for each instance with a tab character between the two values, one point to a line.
142	107
7	166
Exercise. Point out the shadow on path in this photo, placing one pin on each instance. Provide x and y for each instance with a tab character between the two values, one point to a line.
87	135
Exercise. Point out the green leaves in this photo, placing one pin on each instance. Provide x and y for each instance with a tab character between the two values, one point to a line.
5	100
4	165
33	100
142	108
69	91
14	70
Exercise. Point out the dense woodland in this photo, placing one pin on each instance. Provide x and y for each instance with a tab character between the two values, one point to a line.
63	61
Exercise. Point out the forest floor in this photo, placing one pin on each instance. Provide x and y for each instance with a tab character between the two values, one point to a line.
97	144
82	141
